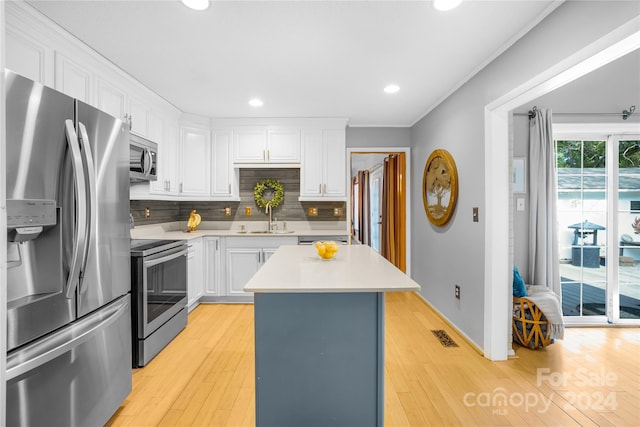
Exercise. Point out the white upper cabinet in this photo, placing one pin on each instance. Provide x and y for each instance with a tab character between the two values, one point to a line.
223	182
249	145
113	99
259	145
283	146
110	98
170	147
74	79
139	116
164	132
195	154
334	163
323	172
311	172
27	56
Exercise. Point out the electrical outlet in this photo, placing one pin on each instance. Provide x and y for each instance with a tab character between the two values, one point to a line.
312	211
227	211
457	292
337	211
147	213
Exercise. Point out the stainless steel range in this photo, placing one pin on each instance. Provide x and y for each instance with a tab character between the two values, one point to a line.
159	293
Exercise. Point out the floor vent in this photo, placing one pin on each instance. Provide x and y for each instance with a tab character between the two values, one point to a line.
444	338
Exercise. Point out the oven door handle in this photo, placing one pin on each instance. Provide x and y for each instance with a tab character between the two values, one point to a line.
164	258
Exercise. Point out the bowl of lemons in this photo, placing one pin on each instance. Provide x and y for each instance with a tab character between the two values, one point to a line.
326	249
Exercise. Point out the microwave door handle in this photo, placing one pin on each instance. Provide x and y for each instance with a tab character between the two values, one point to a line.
90	231
142	160
81	209
148	162
174	255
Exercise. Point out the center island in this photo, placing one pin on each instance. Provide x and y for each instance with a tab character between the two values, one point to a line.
319	336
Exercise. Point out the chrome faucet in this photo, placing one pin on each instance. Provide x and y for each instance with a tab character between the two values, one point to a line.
269	210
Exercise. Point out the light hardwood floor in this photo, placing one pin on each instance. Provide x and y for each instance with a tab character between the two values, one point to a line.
205	377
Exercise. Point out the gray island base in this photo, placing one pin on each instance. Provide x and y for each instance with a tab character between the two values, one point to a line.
319	337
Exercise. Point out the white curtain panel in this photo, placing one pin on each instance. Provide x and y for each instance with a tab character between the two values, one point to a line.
543	190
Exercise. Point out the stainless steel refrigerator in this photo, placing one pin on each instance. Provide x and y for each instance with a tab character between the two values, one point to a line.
68	275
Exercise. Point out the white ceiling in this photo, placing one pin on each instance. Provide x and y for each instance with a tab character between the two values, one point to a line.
303	58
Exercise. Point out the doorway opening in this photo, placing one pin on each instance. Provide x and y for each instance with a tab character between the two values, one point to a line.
379	213
498	118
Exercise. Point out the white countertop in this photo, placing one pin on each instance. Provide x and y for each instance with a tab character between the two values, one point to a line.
355	268
177	231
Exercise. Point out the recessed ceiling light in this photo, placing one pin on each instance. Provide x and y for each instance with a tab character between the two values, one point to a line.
196	4
255	102
444	5
392	89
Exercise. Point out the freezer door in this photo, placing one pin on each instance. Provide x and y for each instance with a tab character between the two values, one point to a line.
77	376
36	147
104	142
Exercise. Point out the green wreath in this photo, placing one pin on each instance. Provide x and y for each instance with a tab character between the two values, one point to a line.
278	193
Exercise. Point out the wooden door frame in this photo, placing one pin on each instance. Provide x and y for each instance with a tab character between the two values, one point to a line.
387	150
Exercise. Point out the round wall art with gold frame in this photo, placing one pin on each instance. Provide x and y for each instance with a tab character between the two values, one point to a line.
440	187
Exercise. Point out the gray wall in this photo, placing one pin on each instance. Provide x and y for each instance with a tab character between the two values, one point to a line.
457	125
378	137
289	210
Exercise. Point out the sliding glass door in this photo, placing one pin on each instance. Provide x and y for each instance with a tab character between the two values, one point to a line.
628	218
598	200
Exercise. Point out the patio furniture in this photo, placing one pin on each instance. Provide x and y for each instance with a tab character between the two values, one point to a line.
583	253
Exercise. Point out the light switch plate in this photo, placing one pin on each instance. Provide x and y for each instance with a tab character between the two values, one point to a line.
247	211
520	204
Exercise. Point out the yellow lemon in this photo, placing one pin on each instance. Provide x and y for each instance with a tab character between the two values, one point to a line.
326	249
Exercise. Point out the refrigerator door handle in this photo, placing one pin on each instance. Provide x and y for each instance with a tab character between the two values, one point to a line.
91	178
81	209
47	349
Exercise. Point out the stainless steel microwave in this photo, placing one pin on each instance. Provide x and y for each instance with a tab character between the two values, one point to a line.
143	159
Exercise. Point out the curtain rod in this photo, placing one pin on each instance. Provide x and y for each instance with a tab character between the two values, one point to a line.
625	114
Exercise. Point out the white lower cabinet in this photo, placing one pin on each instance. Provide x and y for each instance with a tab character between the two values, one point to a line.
244	256
212	250
195	272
